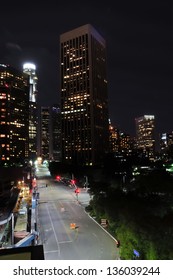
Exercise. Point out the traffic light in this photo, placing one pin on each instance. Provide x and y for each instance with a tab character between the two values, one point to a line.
58	178
77	190
73	182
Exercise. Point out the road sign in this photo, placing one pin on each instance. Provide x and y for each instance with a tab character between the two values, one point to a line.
104	222
136	253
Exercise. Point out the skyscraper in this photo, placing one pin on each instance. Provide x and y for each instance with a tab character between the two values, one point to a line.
113	138
30	69
145	132
45	133
166	145
84	96
14	117
50	133
56	132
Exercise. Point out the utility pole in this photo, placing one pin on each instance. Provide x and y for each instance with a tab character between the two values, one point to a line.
86	182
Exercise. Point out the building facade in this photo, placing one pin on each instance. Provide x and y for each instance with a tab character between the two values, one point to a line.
56	132
50	133
166	145
113	138
14	117
30	69
84	96
145	134
45	133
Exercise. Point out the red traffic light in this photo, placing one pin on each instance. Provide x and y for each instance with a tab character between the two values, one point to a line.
77	190
73	182
58	178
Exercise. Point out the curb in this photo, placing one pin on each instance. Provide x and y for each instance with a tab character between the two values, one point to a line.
101	227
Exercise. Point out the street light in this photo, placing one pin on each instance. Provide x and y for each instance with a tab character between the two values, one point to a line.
86	182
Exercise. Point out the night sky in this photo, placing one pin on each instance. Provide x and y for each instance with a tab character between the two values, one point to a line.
138	35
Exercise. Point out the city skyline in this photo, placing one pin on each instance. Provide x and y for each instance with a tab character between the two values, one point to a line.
138	53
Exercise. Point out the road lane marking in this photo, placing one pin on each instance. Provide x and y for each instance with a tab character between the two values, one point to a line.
68	241
53	251
53	230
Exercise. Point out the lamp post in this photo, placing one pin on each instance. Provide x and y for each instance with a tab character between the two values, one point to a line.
86	182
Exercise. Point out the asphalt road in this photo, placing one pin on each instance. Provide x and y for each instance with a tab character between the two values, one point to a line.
58	209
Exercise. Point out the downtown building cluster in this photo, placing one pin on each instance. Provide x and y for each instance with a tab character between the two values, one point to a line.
18	118
78	130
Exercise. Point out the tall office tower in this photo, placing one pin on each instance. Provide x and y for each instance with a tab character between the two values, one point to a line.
145	133
125	144
163	143
30	69
166	145
14	117
84	96
45	133
56	132
113	138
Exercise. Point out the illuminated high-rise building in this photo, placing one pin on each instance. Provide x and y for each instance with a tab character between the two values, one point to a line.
84	96
145	133
56	132
30	69
14	117
125	143
166	145
45	133
50	133
113	138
